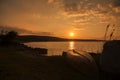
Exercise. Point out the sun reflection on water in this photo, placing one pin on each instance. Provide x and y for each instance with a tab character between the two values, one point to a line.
71	45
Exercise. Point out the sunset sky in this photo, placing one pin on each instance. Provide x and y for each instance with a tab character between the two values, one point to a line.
85	18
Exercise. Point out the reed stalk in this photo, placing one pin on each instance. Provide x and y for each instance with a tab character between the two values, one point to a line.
113	31
107	27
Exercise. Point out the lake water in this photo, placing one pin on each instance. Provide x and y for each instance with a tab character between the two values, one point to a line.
56	48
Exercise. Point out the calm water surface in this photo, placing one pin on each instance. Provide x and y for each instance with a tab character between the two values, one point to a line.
56	48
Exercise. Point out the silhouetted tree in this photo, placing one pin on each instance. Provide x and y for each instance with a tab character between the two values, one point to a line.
9	38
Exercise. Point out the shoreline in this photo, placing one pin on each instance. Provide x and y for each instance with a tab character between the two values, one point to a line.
17	64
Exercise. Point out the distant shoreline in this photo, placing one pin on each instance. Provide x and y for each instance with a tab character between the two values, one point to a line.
24	39
65	41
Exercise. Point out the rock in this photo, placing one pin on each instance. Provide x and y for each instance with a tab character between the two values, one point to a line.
82	62
110	60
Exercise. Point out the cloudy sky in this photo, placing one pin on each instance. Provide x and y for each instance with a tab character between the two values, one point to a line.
86	18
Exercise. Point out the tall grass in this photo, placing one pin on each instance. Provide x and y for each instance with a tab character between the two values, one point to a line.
107	28
111	33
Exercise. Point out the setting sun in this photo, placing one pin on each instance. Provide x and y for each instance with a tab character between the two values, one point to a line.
72	34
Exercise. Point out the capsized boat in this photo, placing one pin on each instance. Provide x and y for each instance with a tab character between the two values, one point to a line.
82	61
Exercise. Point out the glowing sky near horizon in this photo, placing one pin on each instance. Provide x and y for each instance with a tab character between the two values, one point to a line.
87	18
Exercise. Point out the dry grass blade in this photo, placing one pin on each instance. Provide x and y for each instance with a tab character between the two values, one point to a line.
106	31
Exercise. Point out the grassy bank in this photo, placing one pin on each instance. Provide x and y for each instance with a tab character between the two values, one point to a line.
17	66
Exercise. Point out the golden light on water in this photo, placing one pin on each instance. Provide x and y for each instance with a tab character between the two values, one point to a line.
71	45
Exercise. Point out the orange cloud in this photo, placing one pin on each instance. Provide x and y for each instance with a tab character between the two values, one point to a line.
50	1
115	5
74	14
